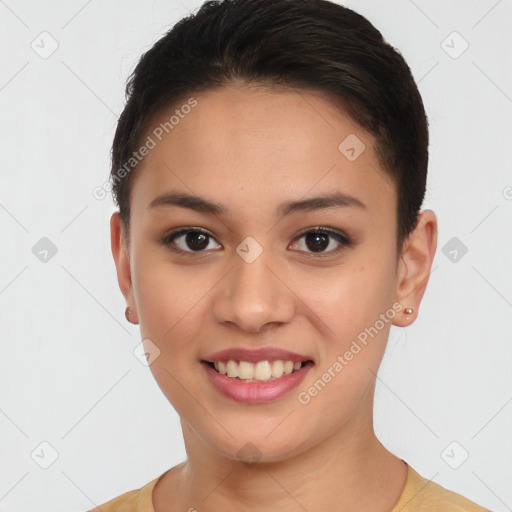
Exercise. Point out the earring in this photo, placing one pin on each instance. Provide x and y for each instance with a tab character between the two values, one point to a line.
408	311
127	313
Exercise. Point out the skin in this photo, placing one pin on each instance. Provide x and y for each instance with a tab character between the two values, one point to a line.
251	149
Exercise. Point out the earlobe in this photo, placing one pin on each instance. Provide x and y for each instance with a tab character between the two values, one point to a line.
415	267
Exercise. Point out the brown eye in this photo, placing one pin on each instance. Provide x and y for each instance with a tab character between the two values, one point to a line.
317	242
322	241
188	240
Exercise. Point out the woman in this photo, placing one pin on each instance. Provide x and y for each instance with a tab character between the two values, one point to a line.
269	168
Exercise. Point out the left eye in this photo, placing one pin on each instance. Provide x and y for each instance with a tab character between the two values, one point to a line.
318	240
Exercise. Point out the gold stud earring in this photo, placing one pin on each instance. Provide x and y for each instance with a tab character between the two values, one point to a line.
408	311
127	313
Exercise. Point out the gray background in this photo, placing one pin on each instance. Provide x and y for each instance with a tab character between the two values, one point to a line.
81	419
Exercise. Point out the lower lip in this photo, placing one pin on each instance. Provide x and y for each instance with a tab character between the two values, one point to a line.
256	392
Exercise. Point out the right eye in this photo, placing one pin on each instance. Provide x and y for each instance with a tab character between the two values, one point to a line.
192	240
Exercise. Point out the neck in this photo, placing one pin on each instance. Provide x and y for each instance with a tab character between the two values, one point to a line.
349	471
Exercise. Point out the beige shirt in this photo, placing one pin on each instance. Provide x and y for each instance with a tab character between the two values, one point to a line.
418	495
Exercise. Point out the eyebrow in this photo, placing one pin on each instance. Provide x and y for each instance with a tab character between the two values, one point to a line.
200	204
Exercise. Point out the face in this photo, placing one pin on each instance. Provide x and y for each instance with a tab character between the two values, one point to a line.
317	278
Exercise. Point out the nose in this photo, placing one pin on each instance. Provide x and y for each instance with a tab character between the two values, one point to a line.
253	295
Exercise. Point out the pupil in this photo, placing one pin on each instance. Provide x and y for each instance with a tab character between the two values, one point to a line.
196	241
319	241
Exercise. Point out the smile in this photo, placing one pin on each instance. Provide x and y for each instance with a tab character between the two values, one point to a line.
258	382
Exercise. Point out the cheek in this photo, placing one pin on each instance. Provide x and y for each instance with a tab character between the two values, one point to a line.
168	317
168	311
353	300
351	297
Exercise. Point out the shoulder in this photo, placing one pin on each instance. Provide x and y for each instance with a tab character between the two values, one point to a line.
422	495
136	500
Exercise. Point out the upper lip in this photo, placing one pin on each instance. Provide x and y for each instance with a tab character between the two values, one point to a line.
254	355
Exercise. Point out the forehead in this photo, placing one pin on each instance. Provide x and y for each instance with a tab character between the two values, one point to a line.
252	146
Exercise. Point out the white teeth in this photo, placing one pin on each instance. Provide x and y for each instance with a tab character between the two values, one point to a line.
245	370
277	369
288	367
232	368
262	370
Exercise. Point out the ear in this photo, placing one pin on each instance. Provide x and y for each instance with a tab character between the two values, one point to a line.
414	266
122	260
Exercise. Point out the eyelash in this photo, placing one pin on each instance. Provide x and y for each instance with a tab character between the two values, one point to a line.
342	239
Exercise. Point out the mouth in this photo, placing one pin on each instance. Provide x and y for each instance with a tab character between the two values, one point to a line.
256	382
